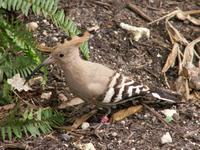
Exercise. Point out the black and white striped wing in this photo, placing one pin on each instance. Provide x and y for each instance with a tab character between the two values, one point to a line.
122	87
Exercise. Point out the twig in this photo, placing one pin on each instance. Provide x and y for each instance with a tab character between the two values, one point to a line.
150	72
166	81
138	11
27	103
105	5
153	8
170	15
163	17
96	131
15	146
158	116
191	132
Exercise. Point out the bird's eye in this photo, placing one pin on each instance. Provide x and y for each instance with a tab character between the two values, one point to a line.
61	55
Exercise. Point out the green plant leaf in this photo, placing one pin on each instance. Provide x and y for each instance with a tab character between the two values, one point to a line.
3	133
9	132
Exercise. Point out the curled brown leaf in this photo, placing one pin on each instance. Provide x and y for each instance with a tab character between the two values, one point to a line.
171	58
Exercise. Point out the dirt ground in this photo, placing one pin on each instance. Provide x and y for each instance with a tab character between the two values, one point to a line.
114	47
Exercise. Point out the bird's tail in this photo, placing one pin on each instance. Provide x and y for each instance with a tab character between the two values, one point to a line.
167	96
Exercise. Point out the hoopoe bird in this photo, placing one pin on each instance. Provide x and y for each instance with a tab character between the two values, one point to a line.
96	83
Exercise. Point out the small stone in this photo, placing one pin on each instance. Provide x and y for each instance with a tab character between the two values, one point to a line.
46	95
158	55
32	26
169	112
66	137
119	142
123	122
46	22
62	97
114	134
116	32
94	28
85	125
45	33
42	44
55	39
166	138
86	146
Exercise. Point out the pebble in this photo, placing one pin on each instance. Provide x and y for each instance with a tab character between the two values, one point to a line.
158	55
86	146
119	142
169	112
46	22
32	26
66	137
123	122
46	95
45	33
166	138
42	44
85	125
94	28
55	39
116	32
114	134
62	97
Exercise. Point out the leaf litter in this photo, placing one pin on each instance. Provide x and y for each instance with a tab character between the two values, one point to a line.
183	51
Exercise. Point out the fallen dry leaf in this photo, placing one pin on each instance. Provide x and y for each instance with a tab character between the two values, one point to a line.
192	73
126	112
171	58
174	34
189	52
182	87
186	16
78	122
69	103
18	83
46	95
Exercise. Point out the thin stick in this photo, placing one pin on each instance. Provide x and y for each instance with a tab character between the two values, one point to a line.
138	11
27	103
102	4
163	17
15	146
159	117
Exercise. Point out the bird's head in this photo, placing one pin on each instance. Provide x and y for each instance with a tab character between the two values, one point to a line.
62	52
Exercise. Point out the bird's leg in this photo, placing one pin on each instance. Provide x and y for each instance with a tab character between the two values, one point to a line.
105	118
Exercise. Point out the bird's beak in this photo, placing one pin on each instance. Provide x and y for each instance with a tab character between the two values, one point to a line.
47	61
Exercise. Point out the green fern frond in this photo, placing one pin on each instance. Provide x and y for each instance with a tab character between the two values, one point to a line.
17	50
31	122
5	94
49	9
84	50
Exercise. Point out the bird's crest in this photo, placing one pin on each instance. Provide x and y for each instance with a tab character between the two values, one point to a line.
74	41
